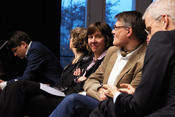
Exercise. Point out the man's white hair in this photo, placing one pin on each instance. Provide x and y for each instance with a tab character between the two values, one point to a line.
161	7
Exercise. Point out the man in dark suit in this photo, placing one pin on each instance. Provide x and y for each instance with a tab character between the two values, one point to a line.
42	64
155	95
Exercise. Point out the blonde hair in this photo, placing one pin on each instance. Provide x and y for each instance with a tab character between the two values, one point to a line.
79	36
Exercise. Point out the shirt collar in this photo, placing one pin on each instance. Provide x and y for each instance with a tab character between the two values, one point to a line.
28	47
129	54
101	56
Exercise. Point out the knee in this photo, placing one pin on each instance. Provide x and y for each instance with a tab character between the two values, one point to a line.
71	97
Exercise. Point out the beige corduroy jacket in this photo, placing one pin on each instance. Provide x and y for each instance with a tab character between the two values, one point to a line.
131	73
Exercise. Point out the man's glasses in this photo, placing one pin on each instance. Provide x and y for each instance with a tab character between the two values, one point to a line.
148	29
118	27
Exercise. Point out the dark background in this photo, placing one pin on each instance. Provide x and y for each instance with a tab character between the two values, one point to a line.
39	18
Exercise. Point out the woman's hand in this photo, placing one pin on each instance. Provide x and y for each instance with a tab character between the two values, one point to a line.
80	79
77	72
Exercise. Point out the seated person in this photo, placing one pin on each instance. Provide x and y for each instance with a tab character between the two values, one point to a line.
99	40
122	64
42	64
10	63
82	58
155	95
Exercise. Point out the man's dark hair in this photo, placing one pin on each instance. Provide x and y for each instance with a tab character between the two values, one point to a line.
134	20
16	38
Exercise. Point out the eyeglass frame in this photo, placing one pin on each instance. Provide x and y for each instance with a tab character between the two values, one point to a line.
117	27
148	31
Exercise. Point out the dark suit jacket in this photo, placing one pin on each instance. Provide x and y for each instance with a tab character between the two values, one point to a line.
155	96
42	65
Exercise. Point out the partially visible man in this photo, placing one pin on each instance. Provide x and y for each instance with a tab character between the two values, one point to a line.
155	95
122	64
42	64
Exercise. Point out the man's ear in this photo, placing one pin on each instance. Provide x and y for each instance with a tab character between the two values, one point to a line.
165	21
130	31
23	43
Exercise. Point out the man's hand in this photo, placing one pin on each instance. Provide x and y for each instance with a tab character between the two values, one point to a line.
110	90
1	81
3	84
126	88
102	94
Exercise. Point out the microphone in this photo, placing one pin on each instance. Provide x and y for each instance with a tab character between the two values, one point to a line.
3	44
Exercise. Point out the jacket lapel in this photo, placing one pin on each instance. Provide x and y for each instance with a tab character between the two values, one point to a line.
132	61
110	66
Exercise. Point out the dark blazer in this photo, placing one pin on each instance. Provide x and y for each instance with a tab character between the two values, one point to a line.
67	77
42	65
155	96
78	87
